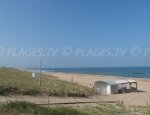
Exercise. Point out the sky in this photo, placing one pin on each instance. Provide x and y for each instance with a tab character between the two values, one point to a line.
74	33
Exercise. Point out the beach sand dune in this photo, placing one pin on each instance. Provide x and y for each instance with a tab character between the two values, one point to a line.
135	98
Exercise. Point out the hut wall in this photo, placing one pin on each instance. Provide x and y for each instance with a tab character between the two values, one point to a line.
108	89
114	89
101	88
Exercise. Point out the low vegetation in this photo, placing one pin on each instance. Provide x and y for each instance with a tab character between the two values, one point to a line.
13	81
105	109
25	108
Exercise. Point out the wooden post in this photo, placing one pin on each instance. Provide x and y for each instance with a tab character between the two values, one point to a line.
40	73
72	78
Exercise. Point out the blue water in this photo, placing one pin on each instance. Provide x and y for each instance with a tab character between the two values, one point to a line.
138	72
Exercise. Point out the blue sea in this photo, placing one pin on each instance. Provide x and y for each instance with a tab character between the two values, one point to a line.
137	72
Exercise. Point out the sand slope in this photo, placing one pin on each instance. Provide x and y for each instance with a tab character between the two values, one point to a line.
134	98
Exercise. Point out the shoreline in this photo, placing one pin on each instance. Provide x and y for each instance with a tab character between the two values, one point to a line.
130	72
97	75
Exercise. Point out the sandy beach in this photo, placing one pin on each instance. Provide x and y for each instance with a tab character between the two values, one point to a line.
141	98
133	98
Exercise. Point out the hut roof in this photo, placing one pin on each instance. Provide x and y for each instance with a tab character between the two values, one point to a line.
115	82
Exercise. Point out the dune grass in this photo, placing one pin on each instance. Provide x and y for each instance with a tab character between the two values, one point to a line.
26	108
13	81
115	109
105	109
139	110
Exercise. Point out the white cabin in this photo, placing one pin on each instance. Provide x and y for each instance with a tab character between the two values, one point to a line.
116	86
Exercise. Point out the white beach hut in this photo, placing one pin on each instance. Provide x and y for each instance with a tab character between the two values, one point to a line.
116	86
